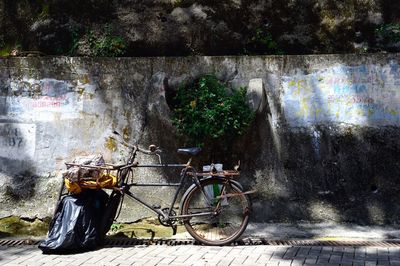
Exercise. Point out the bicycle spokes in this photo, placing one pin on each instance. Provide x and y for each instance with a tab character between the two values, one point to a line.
229	217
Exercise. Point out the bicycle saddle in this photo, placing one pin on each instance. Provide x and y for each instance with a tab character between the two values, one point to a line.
190	151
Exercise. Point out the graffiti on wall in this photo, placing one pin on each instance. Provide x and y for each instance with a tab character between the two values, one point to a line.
42	99
38	98
362	95
17	141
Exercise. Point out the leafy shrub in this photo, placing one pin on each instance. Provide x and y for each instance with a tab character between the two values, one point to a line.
262	42
106	44
389	32
45	11
6	49
92	42
75	38
388	37
206	112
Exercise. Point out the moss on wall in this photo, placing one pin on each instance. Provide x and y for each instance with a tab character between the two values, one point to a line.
17	226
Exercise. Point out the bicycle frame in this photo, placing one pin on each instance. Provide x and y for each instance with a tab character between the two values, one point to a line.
125	187
187	170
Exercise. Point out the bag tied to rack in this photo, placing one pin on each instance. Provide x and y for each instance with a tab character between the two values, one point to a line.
88	172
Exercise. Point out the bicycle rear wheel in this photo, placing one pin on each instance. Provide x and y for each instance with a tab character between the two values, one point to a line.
230	206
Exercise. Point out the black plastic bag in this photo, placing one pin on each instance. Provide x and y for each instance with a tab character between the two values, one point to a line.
75	226
110	213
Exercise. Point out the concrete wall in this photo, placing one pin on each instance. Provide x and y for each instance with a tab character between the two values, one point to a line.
324	145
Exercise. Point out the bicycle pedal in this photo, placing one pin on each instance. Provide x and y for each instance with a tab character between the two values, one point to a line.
155	206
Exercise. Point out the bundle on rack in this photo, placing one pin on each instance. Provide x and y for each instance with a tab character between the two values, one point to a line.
88	172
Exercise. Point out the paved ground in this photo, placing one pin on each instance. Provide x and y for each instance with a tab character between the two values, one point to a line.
322	231
235	255
204	255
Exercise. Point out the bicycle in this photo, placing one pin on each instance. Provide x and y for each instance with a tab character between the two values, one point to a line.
214	209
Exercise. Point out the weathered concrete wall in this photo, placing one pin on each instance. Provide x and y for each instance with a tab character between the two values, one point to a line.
325	147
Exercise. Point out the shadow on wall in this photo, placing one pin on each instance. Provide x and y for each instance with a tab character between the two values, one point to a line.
339	150
16	161
17	145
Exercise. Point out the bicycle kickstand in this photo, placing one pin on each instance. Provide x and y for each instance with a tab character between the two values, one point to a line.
174	229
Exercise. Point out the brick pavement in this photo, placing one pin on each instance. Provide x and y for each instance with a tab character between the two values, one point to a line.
205	255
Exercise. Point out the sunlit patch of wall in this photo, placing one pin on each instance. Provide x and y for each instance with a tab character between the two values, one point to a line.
365	95
324	211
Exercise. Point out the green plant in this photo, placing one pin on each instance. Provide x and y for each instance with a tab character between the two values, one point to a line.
389	32
75	38
116	227
262	42
106	44
205	112
45	11
176	3
6	48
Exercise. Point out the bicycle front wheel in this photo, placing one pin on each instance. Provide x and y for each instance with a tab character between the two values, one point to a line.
220	211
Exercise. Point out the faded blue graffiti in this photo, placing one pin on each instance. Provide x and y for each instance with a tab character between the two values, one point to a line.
362	95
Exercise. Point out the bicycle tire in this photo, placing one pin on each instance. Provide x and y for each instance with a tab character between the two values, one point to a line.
224	227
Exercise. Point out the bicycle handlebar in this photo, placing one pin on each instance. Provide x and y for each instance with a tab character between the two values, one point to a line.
153	149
